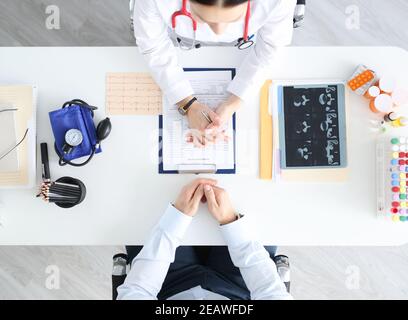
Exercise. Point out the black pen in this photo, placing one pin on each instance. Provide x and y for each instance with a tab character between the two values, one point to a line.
45	163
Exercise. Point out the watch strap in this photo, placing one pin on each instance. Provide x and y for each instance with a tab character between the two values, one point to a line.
188	105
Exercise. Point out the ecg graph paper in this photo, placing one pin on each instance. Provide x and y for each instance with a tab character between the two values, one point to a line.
132	94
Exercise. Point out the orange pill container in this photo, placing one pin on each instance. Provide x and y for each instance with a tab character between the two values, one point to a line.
372	93
381	104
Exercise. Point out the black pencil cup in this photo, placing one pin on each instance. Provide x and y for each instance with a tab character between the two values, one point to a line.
76	182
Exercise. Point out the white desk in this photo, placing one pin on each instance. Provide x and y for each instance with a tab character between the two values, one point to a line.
126	195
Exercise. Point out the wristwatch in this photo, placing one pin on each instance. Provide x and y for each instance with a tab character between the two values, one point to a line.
237	217
184	109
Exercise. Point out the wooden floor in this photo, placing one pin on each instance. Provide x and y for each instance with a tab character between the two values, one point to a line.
317	272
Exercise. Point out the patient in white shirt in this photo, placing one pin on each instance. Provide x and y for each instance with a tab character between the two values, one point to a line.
165	270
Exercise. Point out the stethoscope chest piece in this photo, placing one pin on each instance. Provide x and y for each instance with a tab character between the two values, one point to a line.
244	44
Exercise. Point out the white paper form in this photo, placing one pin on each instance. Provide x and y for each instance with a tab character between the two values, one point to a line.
210	88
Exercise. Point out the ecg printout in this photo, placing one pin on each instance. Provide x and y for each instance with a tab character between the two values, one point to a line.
132	94
210	88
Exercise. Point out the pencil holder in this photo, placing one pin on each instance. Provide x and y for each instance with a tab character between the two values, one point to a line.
73	182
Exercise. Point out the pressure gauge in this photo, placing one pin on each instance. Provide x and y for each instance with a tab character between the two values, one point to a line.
73	138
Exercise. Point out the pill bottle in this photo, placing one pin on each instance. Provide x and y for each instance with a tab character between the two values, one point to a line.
387	85
392	116
381	104
372	92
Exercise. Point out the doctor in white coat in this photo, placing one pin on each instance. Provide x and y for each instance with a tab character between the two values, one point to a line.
259	26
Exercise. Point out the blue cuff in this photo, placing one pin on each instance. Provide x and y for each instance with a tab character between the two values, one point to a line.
174	222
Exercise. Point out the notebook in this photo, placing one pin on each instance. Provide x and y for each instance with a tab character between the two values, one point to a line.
176	154
8	140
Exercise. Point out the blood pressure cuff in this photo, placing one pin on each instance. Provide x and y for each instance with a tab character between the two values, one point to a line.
74	117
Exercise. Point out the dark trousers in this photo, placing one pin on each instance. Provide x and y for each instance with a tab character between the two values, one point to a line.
208	267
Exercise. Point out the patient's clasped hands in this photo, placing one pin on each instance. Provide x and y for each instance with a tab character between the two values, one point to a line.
206	191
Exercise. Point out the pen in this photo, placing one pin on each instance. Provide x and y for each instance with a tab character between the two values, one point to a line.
206	116
45	164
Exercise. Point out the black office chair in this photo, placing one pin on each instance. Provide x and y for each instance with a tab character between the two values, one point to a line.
121	265
298	16
300	11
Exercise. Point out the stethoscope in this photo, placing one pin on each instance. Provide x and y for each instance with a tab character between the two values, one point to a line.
242	43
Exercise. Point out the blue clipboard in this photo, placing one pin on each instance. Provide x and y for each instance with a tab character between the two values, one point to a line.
221	171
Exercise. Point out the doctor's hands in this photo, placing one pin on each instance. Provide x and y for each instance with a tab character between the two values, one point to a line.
204	131
191	195
205	190
200	133
226	110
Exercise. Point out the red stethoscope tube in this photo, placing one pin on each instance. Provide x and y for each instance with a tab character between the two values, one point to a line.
247	16
184	12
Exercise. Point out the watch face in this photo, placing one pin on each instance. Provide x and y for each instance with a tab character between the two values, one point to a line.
73	137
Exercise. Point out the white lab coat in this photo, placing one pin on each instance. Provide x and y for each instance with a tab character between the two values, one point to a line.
271	21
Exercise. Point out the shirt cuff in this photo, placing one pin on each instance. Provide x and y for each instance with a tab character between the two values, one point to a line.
237	232
178	92
243	89
174	222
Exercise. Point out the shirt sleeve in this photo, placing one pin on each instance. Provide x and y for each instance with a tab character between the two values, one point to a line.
256	266
256	67
149	268
155	45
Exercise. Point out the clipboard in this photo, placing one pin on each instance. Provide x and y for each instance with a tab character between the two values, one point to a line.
24	97
192	169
